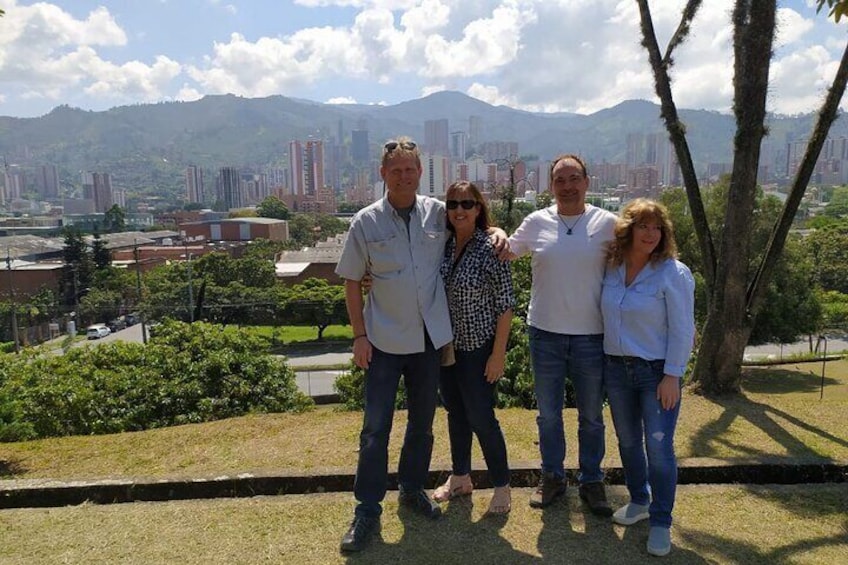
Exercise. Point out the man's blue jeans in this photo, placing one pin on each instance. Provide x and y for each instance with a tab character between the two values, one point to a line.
645	434
580	358
421	377
470	403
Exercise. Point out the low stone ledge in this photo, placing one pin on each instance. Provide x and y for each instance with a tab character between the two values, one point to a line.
52	493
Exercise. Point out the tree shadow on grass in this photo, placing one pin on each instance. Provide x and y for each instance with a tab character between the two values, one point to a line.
783	381
561	541
453	538
809	507
705	441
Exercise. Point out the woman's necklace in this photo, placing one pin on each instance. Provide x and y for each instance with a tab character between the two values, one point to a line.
569	229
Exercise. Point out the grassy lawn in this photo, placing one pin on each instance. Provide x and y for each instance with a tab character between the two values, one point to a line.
300	334
779	417
713	524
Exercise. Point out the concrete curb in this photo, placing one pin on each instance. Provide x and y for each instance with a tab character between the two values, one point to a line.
49	493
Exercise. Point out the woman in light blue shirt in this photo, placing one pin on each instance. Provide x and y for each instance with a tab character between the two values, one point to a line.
648	306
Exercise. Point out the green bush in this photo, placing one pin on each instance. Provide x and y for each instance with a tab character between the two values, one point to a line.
351	389
515	389
188	373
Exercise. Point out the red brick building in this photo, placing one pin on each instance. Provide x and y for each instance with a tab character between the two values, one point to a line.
237	229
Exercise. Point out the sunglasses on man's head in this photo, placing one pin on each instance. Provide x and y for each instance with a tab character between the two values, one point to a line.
392	145
466	204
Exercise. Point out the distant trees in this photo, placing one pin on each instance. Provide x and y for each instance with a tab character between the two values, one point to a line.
827	249
79	266
791	308
273	207
115	219
305	229
837	207
737	283
314	303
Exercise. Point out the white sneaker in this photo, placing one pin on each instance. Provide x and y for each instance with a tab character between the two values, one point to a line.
630	513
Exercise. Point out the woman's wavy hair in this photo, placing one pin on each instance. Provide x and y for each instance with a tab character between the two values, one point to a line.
484	219
635	212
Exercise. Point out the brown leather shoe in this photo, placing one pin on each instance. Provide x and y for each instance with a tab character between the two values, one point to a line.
550	487
595	497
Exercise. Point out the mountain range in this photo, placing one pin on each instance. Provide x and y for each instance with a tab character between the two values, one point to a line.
146	147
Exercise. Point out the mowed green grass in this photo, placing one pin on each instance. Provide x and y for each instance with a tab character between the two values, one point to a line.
713	524
779	417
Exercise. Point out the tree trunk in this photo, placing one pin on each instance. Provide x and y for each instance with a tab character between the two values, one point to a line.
723	340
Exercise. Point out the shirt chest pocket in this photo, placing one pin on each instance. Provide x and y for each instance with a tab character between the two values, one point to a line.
647	292
432	246
384	256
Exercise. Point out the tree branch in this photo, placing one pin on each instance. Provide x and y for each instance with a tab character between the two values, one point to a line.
827	115
677	136
682	31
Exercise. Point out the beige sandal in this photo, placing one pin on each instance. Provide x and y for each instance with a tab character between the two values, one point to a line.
501	502
456	485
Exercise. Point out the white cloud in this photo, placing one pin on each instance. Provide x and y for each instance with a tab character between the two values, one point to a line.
48	52
486	44
188	93
273	66
558	55
133	79
341	100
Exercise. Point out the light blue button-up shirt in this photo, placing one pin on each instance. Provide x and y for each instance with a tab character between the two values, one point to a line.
654	317
407	294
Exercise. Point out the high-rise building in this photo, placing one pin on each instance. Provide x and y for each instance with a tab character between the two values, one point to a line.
194	183
635	150
229	187
457	145
119	197
14	183
97	187
475	131
360	152
48	181
306	166
435	177
495	150
436	137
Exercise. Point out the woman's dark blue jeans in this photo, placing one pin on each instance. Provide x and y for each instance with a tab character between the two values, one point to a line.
470	403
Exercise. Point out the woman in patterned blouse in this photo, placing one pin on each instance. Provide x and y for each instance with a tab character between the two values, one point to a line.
480	299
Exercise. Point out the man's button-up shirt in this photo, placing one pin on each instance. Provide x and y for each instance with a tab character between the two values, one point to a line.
407	293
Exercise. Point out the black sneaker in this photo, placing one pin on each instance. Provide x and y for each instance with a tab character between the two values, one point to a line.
360	532
595	497
550	488
421	502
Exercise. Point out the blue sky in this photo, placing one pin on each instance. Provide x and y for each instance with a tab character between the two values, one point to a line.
540	55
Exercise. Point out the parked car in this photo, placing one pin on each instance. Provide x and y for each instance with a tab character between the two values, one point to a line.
117	324
96	331
132	318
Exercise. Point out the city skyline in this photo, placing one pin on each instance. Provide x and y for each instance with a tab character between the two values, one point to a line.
524	54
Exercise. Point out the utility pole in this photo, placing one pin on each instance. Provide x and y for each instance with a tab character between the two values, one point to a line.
190	297
14	306
138	290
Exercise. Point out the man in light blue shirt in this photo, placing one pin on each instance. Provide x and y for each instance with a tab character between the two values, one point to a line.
399	241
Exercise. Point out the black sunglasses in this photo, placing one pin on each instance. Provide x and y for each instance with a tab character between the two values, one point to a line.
392	145
466	204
